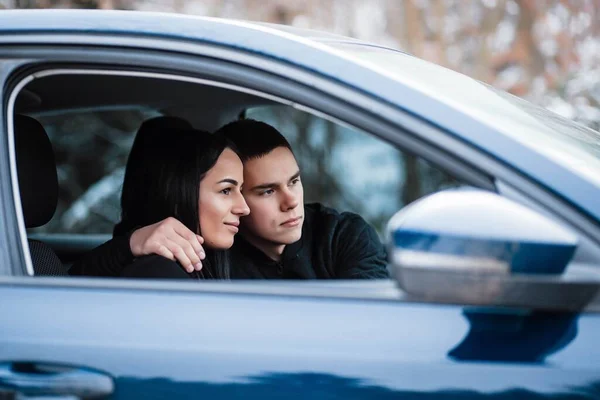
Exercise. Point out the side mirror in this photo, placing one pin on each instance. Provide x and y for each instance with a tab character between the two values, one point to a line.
476	247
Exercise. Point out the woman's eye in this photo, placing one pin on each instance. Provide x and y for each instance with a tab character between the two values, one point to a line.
226	191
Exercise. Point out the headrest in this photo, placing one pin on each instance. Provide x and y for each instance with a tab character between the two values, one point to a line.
36	168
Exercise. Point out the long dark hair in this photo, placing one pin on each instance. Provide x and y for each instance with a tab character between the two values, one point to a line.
162	179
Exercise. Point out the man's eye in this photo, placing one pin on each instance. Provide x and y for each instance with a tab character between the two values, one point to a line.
267	192
226	191
295	181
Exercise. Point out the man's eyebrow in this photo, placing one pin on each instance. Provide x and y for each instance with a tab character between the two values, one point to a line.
296	175
229	180
264	186
274	184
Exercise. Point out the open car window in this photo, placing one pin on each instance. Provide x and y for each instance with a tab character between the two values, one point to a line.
352	170
342	167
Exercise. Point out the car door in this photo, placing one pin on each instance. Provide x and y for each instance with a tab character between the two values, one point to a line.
179	341
139	339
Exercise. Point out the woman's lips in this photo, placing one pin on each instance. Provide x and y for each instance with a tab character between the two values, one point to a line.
233	226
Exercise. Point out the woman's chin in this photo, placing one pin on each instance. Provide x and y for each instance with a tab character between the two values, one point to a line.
221	243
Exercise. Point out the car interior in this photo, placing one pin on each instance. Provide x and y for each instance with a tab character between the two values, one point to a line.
73	131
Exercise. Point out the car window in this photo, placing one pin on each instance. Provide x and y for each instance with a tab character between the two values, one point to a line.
342	167
351	170
91	149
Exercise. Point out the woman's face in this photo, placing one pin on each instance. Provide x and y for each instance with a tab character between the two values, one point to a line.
221	201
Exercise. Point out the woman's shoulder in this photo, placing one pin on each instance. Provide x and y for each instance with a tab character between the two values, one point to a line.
154	266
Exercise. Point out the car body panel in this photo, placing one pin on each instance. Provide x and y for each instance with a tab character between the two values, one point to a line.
242	345
316	54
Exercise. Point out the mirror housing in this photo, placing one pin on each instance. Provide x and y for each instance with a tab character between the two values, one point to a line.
471	246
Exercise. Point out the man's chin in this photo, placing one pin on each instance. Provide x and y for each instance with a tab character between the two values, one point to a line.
290	237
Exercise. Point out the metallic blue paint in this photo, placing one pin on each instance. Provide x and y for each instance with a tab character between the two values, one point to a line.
321	58
178	345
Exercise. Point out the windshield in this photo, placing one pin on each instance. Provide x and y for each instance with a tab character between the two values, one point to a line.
567	143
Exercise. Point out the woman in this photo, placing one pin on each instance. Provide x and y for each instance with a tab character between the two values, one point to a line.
195	177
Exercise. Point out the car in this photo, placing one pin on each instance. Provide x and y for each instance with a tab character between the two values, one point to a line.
488	206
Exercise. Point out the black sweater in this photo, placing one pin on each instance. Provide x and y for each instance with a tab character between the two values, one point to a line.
333	246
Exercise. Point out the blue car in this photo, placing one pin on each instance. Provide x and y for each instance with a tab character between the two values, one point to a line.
489	207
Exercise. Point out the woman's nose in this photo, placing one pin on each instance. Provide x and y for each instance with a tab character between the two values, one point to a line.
241	208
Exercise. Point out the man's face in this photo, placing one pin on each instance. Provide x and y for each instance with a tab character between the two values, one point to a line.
273	191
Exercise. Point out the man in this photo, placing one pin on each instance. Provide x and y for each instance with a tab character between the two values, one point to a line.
281	238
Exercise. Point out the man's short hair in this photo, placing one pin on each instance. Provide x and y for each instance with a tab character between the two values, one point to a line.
253	139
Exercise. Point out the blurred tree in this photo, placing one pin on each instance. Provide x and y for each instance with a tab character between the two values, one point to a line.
93	4
546	51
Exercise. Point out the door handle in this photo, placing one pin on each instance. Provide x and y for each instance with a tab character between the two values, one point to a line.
42	379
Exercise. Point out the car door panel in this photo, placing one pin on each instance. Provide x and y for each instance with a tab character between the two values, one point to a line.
160	344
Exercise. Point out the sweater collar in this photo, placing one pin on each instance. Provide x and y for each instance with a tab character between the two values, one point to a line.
290	252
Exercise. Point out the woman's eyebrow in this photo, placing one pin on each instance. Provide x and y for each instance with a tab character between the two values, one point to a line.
229	180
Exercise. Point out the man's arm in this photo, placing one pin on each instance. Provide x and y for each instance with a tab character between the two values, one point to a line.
105	260
168	238
359	254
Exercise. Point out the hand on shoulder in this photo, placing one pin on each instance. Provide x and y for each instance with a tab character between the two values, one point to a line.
171	239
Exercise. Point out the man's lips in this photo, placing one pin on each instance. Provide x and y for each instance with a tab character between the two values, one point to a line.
292	222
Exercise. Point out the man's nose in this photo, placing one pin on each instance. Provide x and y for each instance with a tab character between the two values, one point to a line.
289	200
240	207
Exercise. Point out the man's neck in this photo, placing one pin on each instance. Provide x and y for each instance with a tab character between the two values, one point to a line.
270	249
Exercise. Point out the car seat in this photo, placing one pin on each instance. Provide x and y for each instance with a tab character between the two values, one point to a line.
38	185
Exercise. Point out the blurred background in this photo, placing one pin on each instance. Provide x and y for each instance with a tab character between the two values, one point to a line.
547	51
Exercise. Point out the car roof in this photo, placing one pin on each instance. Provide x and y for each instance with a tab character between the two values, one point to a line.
156	23
430	92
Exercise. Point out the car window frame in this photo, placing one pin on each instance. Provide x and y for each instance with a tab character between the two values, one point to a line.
383	121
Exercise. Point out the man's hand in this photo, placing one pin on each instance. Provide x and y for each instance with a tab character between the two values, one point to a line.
171	239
